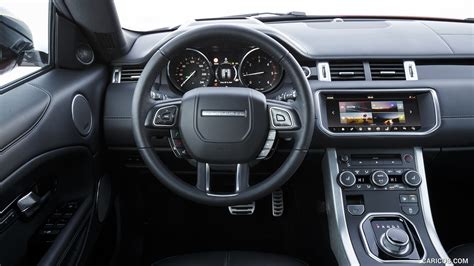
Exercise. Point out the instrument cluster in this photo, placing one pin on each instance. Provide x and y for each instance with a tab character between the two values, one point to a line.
232	66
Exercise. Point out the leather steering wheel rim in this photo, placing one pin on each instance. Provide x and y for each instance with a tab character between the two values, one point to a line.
304	105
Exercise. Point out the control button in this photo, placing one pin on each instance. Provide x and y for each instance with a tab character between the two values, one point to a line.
165	116
264	153
281	117
380	178
268	144
412	178
345	158
395	241
408	158
410	209
366	172
357	171
389	171
398	171
271	135
412	198
347	179
356	209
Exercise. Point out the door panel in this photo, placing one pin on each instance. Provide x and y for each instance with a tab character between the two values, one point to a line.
43	153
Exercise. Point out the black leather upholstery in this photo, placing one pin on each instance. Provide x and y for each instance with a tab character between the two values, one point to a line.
230	258
465	251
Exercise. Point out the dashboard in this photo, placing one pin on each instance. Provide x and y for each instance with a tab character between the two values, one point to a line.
370	90
224	65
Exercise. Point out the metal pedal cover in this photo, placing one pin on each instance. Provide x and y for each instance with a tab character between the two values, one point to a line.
277	203
245	209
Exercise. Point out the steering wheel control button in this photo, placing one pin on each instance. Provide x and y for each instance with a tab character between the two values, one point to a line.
380	178
176	144
268	145
356	209
347	179
412	178
410	209
281	118
165	116
395	242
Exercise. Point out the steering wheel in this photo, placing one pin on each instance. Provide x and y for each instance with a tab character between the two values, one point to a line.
223	126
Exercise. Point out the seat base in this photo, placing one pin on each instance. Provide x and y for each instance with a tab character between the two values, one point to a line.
465	251
230	258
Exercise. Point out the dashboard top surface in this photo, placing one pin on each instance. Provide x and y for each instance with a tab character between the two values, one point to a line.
328	39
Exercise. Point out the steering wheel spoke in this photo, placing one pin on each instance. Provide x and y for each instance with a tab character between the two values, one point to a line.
203	181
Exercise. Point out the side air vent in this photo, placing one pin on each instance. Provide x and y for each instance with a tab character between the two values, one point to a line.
341	71
130	73
393	70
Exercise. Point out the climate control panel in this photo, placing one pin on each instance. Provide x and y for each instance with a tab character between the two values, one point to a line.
379	179
377	172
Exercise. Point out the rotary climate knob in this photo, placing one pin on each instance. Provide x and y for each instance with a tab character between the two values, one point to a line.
380	178
395	242
412	178
347	179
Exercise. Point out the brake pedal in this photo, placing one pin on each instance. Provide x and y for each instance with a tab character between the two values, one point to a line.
277	203
244	209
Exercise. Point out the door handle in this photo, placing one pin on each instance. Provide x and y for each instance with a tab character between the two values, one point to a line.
31	202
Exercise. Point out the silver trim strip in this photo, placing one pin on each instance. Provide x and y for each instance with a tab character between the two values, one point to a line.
425	206
340	240
419	133
389	214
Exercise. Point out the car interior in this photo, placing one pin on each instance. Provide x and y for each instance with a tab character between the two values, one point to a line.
280	140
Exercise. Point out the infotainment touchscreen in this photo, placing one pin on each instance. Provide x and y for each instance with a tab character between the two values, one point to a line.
376	113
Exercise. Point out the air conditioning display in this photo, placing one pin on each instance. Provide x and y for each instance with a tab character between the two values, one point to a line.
355	113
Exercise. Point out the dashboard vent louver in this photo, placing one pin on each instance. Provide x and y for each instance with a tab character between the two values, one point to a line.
394	70
341	71
130	73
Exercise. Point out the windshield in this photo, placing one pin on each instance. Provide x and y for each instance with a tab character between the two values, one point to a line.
146	15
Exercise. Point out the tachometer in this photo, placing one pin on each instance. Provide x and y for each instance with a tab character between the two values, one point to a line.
189	70
259	71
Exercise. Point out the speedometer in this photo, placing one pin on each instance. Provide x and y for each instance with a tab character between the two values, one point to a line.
189	70
259	71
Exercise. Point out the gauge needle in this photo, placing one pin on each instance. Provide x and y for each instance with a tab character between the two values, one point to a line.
253	74
186	80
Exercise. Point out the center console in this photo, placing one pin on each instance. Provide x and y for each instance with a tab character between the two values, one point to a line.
377	199
378	207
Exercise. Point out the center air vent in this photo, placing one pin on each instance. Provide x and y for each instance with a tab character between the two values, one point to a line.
394	70
347	71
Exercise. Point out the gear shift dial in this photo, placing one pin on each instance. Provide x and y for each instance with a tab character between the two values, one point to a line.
395	242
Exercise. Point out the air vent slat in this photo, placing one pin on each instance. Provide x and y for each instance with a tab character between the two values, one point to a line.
130	73
389	70
341	71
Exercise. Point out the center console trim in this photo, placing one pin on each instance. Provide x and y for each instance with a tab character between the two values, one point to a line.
425	206
324	128
341	243
389	214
